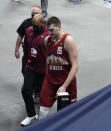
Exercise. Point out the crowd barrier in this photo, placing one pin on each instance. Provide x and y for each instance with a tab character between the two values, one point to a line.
92	113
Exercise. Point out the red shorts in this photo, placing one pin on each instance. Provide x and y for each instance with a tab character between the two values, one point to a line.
48	93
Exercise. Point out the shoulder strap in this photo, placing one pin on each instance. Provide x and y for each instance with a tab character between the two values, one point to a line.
64	37
49	39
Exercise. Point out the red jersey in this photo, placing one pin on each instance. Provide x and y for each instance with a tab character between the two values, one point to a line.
58	62
35	41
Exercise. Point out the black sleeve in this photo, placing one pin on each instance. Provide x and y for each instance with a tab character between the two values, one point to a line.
24	25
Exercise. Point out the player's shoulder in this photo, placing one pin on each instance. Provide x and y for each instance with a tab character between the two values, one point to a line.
69	38
69	41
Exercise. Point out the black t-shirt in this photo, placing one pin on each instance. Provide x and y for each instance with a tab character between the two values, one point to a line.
24	25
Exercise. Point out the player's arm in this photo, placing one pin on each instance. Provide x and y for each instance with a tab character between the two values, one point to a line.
70	47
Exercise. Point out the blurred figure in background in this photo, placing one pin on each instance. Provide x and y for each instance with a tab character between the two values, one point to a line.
44	6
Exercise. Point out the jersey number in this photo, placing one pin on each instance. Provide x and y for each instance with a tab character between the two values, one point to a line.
59	50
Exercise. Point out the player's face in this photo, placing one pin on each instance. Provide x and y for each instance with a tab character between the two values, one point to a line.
53	30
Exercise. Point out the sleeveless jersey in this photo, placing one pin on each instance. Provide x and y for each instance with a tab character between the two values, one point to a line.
58	62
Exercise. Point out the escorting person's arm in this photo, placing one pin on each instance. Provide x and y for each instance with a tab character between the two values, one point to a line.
18	43
21	33
70	47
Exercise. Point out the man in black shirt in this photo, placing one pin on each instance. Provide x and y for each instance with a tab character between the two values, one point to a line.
22	29
21	34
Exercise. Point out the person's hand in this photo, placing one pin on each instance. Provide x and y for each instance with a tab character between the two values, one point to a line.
17	54
61	89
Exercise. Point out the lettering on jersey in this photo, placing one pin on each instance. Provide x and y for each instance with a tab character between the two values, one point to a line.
51	67
59	50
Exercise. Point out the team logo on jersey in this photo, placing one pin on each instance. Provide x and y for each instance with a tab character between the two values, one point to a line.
55	60
59	50
56	63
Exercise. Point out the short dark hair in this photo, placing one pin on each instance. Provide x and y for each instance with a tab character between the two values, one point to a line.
53	20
